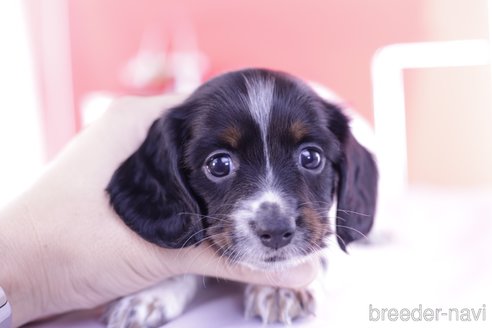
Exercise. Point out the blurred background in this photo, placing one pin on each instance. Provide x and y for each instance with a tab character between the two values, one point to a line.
417	70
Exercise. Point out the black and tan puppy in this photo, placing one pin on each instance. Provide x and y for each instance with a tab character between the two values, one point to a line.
252	160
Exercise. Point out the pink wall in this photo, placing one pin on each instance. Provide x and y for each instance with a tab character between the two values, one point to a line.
328	41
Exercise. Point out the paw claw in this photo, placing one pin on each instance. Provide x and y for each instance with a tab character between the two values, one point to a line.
278	304
137	313
153	307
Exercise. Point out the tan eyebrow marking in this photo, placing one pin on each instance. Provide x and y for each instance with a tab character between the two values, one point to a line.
231	135
298	130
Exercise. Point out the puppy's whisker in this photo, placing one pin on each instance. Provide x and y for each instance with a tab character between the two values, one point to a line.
207	238
203	230
205	216
340	239
353	229
329	242
224	205
240	253
338	217
315	202
221	258
197	256
225	252
199	242
201	253
353	212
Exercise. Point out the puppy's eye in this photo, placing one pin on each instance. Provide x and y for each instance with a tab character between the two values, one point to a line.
310	158
220	165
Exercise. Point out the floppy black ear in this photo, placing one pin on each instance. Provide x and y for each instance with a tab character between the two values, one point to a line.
357	185
149	190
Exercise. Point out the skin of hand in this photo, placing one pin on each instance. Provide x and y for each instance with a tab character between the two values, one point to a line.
63	248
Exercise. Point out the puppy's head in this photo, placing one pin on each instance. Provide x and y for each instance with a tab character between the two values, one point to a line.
252	161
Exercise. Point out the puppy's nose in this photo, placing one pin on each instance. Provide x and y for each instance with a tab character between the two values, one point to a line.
274	229
277	237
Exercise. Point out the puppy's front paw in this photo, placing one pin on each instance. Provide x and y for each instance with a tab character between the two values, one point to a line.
138	312
153	307
278	304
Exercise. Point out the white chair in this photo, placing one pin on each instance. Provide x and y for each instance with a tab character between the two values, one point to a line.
388	66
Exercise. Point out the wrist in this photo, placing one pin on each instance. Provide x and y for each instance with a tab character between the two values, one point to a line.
16	273
36	274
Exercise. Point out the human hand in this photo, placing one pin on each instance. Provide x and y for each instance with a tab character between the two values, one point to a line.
66	249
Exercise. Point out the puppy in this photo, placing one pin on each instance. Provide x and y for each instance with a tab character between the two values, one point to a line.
252	161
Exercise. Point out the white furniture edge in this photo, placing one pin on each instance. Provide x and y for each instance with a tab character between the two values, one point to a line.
387	70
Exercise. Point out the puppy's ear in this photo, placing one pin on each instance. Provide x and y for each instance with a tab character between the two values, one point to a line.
149	190
357	184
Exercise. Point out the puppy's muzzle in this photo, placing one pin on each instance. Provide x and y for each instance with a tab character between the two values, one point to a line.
274	228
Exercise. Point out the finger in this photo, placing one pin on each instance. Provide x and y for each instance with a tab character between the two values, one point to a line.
129	118
203	260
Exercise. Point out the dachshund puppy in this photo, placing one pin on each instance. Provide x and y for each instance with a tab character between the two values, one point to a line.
252	161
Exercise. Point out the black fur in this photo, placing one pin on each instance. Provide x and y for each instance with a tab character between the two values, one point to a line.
162	193
149	190
357	188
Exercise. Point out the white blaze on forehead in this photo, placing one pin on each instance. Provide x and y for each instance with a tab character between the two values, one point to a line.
260	99
268	196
